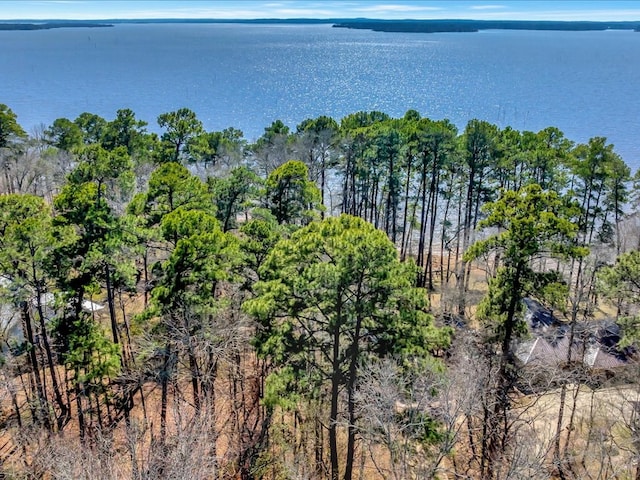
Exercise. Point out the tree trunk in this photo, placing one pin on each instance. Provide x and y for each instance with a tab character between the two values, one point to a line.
333	415
423	219
323	167
433	202
79	395
64	408
195	375
318	439
111	305
406	208
496	434
351	383
164	398
43	414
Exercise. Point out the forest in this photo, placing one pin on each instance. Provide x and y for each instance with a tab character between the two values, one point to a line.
459	25
368	298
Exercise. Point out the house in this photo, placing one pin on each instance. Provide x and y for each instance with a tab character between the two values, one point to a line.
11	326
595	345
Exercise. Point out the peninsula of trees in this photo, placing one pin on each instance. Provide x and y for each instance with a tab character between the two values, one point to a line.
454	25
47	25
409	26
370	297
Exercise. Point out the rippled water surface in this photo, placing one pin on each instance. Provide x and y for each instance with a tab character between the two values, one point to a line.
246	76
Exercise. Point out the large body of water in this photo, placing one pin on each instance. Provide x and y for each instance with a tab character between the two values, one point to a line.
246	76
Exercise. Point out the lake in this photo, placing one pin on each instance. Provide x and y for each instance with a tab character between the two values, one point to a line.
246	76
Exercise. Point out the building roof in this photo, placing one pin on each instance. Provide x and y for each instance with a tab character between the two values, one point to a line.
595	344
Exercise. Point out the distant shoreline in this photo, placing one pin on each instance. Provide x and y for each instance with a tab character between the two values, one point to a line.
470	26
407	26
49	25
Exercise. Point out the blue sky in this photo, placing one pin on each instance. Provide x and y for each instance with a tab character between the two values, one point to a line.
476	9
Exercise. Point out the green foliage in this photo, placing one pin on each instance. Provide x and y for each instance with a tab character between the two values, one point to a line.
411	115
282	387
27	242
180	126
621	284
211	147
289	194
419	426
362	119
550	153
259	236
92	127
10	130
318	125
93	356
329	296
78	206
202	257
272	132
532	223
270	465
339	284
125	131
83	203
233	195
64	135
622	280
493	310
97	256
171	186
480	141
112	171
600	187
273	148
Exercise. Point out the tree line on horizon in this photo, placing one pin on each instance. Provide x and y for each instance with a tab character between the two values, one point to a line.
270	307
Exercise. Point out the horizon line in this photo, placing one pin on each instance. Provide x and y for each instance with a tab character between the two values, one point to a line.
304	19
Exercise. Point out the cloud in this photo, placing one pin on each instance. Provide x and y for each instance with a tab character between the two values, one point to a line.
487	7
201	13
302	12
481	10
327	9
561	15
230	13
396	8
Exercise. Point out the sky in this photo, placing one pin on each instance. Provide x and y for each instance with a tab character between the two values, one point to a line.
602	10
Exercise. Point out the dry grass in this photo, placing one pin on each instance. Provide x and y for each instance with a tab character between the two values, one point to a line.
600	433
